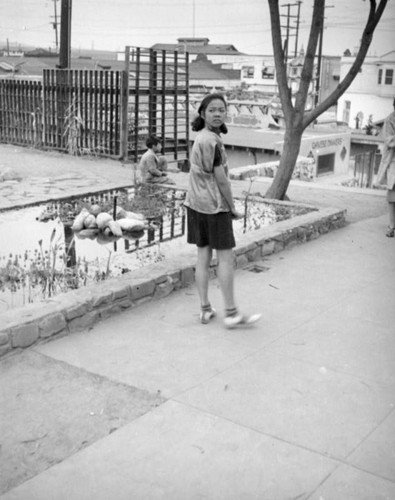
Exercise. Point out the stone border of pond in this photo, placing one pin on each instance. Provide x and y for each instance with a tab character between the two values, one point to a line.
76	310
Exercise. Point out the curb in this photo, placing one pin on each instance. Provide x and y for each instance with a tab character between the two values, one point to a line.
80	309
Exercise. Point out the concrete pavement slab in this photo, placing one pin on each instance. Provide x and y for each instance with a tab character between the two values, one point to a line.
359	348
180	453
299	402
353	484
376	301
377	453
144	351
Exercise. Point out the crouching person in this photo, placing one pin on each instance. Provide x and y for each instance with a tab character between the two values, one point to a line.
153	165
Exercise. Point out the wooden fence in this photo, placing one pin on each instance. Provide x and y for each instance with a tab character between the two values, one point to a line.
102	112
21	112
82	111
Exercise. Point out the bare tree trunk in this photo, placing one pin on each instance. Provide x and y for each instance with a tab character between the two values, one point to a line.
292	141
296	118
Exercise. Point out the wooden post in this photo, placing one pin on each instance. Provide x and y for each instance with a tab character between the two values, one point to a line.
65	34
124	106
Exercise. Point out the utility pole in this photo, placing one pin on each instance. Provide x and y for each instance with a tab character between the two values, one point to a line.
55	25
193	18
319	60
288	28
297	28
65	34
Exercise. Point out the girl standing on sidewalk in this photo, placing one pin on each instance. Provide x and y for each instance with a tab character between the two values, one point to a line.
210	209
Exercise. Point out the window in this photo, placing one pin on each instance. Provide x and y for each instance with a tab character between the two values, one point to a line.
326	164
389	76
380	76
346	111
248	71
268	72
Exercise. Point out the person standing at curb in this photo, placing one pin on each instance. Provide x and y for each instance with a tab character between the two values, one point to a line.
386	173
210	210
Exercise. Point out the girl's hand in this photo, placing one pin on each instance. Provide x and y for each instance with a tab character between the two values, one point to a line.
236	214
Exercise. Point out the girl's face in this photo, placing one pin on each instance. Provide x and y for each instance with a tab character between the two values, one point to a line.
215	113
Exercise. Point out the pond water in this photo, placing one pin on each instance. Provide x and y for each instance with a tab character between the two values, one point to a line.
28	243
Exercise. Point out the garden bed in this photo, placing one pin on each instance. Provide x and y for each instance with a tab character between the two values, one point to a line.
45	255
81	308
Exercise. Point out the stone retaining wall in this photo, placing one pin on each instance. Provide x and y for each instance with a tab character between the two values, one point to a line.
305	170
80	309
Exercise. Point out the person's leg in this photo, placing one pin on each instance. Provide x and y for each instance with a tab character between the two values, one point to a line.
391	228
392	214
202	277
225	273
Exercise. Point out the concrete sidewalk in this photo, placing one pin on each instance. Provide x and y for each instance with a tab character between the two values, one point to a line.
299	407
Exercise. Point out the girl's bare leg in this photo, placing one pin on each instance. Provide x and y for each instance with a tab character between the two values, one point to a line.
204	255
225	273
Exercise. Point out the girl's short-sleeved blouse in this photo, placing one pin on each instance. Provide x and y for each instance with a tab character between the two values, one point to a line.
203	194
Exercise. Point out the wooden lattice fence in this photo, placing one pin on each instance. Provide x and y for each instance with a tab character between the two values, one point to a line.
102	112
21	112
82	111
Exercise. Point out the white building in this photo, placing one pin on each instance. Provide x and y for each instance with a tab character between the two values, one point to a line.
371	93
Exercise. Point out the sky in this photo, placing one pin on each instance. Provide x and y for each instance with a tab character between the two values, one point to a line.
113	24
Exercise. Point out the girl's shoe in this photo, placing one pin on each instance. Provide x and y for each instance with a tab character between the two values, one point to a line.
390	232
205	316
240	320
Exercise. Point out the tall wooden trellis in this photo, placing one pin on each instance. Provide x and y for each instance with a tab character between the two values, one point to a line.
102	112
158	88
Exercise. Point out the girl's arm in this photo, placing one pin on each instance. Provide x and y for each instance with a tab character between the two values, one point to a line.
225	189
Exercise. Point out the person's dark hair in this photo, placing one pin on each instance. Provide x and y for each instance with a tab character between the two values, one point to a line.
152	140
198	123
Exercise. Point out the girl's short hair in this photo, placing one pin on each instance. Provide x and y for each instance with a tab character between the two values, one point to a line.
198	123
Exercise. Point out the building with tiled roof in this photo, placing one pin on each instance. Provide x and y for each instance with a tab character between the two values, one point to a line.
203	73
196	46
30	66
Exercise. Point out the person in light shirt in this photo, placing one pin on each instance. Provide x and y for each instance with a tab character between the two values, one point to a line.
386	173
210	210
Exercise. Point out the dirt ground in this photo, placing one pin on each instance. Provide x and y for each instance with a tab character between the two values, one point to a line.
68	410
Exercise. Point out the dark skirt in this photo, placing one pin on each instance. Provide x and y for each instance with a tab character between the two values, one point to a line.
213	230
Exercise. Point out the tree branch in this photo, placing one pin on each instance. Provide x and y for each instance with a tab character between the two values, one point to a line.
371	23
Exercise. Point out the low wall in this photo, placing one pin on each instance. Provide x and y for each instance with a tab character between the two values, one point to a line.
305	170
80	309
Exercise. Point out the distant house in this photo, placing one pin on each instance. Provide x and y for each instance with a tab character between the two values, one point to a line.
39	52
32	64
371	93
206	76
199	46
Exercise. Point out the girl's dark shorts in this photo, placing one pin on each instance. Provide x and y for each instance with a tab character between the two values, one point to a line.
213	230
